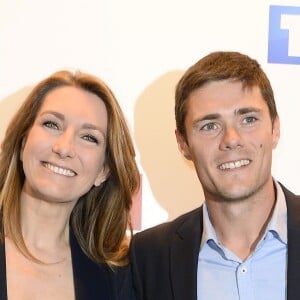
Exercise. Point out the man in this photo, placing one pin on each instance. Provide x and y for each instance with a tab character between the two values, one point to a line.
244	242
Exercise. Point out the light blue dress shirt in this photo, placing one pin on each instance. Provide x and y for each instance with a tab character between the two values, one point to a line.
262	276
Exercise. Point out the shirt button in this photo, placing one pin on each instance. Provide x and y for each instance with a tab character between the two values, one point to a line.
243	270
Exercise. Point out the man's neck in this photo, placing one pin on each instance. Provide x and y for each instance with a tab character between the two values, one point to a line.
239	225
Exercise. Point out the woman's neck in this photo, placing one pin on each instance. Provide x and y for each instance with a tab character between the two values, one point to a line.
45	227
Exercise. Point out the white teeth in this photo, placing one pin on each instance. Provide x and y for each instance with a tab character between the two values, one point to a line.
235	164
58	170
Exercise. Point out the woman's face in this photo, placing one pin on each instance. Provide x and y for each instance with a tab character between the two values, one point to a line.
64	153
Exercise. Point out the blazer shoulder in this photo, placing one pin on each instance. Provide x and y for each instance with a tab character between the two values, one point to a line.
91	280
163	232
154	251
293	210
288	193
292	200
121	279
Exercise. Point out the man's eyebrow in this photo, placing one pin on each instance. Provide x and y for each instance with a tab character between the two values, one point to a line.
213	116
246	110
209	117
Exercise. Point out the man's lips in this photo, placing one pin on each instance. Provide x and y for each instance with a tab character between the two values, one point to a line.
234	164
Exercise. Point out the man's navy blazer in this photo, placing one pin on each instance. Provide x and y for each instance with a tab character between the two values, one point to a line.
164	258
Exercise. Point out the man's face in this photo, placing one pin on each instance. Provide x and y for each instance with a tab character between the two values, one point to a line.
230	138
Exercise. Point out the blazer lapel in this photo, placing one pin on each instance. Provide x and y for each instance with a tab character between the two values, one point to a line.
184	257
91	280
293	227
3	281
185	249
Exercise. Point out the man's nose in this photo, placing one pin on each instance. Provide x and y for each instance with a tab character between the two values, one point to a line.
231	139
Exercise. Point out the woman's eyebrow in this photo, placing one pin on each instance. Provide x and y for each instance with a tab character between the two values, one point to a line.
55	113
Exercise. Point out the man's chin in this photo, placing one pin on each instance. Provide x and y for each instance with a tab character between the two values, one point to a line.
236	194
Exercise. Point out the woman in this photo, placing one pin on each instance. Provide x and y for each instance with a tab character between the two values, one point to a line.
67	176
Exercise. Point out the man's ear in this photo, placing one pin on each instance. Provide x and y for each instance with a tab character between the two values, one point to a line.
102	176
183	145
276	131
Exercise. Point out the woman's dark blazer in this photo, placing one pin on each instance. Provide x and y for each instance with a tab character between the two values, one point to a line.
91	281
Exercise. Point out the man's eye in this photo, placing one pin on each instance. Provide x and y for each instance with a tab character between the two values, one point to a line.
51	124
209	126
249	120
90	138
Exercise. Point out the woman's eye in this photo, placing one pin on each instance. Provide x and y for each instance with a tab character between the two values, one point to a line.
51	124
90	138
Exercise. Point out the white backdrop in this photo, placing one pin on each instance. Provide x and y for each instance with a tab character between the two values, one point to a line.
141	48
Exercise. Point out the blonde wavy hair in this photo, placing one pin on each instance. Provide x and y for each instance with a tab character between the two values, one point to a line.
101	216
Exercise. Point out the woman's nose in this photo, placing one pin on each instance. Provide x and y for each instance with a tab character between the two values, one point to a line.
64	145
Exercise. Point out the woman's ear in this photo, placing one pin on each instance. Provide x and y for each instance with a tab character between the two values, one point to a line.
22	148
102	176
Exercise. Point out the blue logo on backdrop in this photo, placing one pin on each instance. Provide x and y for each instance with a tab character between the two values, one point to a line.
284	35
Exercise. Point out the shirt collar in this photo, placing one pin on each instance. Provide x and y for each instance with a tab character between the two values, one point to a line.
277	224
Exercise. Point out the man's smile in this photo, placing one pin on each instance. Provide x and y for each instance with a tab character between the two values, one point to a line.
234	164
